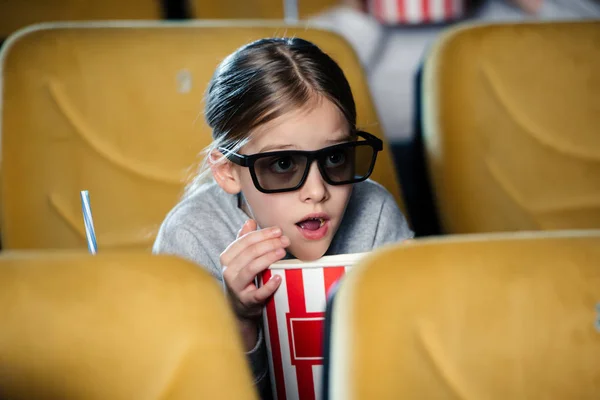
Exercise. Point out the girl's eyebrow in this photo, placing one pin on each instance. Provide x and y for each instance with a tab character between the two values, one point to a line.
345	138
276	147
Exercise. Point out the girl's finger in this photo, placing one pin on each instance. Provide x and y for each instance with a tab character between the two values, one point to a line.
249	226
257	250
245	276
257	297
249	239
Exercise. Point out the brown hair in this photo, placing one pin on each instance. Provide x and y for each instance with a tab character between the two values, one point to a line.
262	81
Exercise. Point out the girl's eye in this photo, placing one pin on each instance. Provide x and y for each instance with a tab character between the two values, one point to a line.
335	159
282	165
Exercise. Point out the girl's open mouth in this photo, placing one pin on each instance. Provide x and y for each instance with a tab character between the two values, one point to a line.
313	228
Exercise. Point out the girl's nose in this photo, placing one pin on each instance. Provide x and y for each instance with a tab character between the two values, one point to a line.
314	189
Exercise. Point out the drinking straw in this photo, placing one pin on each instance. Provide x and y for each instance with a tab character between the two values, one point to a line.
88	222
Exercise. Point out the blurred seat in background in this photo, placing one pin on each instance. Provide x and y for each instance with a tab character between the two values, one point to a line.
117	110
16	14
255	9
116	326
495	316
514	145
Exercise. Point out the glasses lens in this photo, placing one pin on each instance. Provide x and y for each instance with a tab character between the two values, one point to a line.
280	172
348	163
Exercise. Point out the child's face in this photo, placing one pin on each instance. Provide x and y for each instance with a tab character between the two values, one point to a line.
311	215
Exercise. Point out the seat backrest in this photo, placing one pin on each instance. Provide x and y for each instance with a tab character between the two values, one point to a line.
117	110
16	14
116	326
255	9
497	316
511	115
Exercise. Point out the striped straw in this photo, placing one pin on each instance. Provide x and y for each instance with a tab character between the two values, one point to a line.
88	222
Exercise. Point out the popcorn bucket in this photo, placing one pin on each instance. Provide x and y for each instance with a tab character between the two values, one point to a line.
412	12
294	323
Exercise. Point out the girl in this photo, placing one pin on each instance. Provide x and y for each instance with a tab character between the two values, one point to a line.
289	173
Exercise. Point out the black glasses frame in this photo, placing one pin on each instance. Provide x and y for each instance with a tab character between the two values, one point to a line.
249	161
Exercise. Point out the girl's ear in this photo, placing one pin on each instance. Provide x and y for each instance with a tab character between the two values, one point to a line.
225	172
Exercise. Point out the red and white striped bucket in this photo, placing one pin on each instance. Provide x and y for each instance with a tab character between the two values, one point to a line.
294	323
412	12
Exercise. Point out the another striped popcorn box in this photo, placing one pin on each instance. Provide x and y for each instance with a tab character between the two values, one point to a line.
294	323
412	12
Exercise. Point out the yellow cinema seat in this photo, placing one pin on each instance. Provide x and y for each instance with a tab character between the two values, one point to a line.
511	117
16	14
117	110
255	9
116	326
495	316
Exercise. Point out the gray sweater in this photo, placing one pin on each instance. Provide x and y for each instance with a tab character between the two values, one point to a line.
204	223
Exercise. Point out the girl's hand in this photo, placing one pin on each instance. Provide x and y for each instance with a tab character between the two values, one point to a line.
250	254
